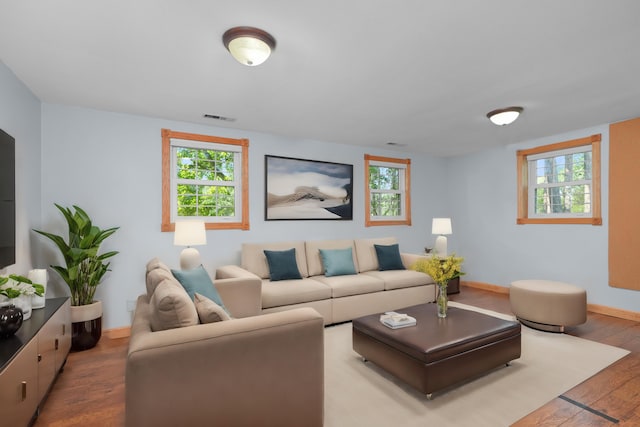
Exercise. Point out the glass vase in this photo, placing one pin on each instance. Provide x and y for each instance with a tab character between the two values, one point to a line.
442	300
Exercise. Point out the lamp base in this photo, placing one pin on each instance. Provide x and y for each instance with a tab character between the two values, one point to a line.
189	259
441	246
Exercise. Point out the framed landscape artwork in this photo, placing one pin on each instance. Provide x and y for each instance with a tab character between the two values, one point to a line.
298	189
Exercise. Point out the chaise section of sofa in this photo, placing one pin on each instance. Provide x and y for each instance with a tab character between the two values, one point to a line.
339	297
265	370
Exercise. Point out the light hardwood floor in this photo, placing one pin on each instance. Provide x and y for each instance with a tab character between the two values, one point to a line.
90	390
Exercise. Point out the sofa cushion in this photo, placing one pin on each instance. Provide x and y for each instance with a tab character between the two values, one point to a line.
282	265
255	261
314	260
389	257
209	311
171	308
355	284
366	253
286	292
156	276
337	262
198	280
397	279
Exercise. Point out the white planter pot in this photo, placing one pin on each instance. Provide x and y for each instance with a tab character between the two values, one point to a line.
84	313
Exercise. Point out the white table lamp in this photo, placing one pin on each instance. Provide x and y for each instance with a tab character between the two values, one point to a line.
189	233
441	227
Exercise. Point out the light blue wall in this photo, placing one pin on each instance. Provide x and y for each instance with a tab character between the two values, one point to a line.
110	165
20	118
482	197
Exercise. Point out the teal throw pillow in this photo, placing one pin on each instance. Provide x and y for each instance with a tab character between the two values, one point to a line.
197	280
337	262
389	257
282	265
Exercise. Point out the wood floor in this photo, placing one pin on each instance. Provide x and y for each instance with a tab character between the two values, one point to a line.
90	390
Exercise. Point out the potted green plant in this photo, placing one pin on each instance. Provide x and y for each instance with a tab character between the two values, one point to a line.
83	271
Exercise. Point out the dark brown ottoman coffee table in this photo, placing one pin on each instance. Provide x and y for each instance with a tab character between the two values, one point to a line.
437	353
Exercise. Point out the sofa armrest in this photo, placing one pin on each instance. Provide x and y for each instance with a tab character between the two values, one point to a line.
234	272
240	290
409	259
237	372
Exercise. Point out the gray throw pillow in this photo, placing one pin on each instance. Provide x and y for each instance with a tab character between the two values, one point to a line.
171	308
209	311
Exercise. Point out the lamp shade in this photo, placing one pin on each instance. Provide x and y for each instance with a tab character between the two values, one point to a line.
441	226
249	46
190	233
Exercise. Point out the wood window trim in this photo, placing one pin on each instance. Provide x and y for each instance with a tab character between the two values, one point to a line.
368	222
523	181
167	135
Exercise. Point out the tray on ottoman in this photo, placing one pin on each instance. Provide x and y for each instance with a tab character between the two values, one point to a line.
437	353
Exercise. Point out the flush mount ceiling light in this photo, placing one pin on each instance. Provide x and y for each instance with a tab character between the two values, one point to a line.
504	116
248	45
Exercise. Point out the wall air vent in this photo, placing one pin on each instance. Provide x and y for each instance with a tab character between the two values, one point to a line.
217	117
396	144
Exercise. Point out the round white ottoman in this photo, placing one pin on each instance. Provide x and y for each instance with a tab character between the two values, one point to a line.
548	305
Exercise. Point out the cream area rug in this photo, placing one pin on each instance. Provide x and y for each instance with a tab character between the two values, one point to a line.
361	394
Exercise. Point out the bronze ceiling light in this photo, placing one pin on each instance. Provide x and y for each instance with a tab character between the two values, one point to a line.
504	116
248	45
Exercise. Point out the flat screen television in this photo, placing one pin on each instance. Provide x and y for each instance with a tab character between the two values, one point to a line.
7	199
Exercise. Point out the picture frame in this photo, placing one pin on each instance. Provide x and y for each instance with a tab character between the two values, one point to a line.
301	189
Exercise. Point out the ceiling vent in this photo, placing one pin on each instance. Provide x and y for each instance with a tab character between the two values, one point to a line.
216	117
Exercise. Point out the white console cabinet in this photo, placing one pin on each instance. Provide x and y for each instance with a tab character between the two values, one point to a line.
31	359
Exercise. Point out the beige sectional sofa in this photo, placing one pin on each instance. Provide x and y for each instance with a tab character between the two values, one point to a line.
337	298
252	370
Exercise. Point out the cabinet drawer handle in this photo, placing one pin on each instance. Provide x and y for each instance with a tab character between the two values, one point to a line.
64	329
24	390
57	343
39	358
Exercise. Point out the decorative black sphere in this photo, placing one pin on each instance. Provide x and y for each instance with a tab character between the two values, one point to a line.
10	320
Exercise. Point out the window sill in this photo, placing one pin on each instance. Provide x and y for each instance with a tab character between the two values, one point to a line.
371	223
588	221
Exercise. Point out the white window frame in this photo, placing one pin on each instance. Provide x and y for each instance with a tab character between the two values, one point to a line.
534	185
404	166
527	183
236	183
171	141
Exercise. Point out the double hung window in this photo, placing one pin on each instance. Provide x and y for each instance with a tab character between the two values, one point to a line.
387	195
560	183
204	178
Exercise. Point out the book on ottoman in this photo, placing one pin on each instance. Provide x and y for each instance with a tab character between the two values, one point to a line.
394	320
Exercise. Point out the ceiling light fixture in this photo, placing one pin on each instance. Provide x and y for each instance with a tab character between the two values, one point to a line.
248	45
504	116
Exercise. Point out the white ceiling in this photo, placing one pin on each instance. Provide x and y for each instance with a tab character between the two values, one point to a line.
418	72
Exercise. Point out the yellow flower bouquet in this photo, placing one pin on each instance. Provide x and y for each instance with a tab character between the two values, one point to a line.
441	270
